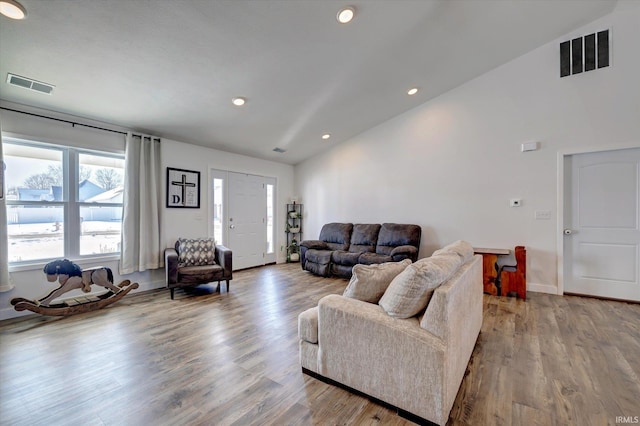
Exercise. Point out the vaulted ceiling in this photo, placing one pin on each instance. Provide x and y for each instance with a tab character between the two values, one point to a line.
172	67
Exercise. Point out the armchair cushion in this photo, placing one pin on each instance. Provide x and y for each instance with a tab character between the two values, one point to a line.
196	251
200	274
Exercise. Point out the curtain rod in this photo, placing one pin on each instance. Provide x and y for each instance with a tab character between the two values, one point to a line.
73	123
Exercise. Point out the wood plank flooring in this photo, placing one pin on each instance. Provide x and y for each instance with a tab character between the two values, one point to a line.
211	358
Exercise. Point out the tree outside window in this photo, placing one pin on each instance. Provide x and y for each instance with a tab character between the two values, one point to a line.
61	201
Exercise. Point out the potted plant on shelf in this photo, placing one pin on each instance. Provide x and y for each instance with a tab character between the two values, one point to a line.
294	256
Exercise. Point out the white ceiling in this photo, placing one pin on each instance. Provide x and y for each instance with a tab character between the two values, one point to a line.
171	67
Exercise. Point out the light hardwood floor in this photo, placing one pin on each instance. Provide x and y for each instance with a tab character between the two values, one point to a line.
232	359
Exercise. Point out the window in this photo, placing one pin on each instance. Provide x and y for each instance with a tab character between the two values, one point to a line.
218	210
61	201
270	198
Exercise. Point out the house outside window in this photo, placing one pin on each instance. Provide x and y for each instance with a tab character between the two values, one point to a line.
61	201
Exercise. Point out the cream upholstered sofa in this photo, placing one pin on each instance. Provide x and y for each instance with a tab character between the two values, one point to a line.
412	360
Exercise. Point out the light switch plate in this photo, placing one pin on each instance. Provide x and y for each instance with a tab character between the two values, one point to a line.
515	202
543	214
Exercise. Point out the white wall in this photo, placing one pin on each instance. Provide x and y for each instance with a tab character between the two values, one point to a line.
30	282
192	223
452	164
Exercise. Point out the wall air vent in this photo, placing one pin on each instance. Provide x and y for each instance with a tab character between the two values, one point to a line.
31	84
278	150
584	54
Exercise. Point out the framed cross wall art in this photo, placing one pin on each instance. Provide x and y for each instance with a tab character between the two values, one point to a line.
183	188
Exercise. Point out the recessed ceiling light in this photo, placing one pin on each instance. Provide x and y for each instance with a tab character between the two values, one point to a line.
326	136
345	15
12	9
239	101
412	91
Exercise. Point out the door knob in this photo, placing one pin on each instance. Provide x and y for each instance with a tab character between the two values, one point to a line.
568	231
232	226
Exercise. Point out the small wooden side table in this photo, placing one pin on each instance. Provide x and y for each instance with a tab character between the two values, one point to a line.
512	280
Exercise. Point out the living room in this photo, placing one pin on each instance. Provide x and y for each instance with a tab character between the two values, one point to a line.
450	164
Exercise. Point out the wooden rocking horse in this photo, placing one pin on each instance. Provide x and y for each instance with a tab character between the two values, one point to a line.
71	277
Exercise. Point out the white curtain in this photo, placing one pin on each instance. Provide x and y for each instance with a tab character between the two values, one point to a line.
142	233
5	278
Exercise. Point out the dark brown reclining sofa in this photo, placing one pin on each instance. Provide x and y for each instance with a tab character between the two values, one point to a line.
343	245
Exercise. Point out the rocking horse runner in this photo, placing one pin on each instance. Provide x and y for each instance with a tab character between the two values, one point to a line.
71	277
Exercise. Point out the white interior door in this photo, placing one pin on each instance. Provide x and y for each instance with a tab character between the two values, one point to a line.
601	255
246	220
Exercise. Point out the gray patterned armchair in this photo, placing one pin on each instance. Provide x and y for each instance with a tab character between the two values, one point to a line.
197	261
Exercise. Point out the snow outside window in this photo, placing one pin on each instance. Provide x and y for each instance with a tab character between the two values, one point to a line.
61	201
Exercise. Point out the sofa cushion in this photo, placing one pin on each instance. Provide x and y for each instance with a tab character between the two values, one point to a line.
410	291
394	234
318	261
369	282
374	258
461	248
196	251
346	258
341	271
322	257
308	325
336	235
364	237
314	244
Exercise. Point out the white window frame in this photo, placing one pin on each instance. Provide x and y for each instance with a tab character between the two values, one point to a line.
70	204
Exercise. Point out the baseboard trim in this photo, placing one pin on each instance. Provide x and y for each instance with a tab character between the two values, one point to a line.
402	413
10	312
542	288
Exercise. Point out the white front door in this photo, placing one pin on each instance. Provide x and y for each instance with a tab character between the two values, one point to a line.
246	220
602	236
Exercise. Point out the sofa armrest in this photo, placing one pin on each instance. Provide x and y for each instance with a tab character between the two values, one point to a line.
361	346
308	325
314	244
224	258
171	266
404	252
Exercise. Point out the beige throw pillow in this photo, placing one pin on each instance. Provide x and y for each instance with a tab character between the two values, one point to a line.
369	282
461	248
410	292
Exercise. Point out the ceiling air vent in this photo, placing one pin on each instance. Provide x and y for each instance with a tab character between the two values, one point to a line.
29	83
279	150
